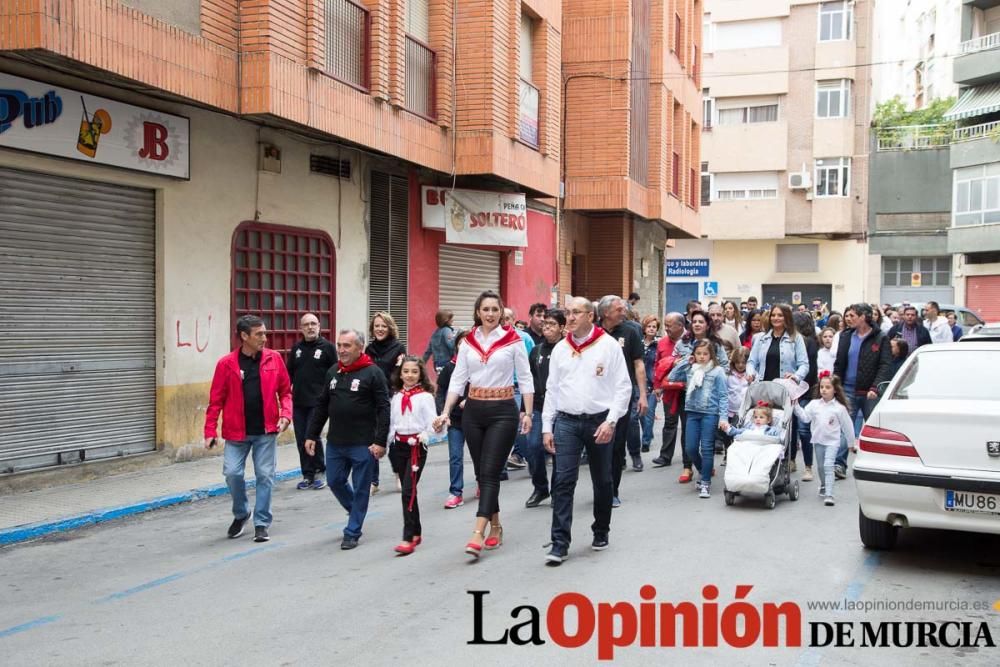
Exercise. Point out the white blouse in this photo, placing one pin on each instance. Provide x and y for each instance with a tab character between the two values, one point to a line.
415	421
496	371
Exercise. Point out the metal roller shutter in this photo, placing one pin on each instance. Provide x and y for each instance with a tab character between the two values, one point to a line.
77	293
982	294
463	274
388	249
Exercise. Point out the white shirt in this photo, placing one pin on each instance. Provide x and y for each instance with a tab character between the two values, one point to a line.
417	420
940	330
587	384
825	359
827	420
497	371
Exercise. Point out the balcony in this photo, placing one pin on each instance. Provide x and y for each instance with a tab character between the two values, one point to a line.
527	116
421	74
347	34
913	137
759	147
979	61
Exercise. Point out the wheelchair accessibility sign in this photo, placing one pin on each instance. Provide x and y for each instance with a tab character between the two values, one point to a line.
711	288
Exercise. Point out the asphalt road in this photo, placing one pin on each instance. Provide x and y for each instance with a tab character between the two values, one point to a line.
169	588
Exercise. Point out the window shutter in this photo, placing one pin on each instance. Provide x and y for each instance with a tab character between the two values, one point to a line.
797	258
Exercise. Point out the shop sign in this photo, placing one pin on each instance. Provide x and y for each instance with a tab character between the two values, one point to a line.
476	217
687	268
51	120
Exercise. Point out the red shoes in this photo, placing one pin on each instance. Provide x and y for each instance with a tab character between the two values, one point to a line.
495	539
474	548
685	476
406	548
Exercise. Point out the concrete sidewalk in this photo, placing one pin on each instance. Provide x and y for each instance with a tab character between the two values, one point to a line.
32	514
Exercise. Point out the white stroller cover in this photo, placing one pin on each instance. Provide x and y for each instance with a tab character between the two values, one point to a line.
749	462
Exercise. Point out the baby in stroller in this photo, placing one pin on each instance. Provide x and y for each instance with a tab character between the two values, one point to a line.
761	424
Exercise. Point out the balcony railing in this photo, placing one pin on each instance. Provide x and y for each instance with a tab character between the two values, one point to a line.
527	114
421	74
913	137
972	132
348	27
984	43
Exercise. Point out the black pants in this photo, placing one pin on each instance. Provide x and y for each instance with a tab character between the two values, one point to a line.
490	428
670	425
621	442
310	465
400	459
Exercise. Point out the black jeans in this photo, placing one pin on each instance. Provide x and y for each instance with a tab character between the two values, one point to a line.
311	465
572	435
400	459
670	425
490	428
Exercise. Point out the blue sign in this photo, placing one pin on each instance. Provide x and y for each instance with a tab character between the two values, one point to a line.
687	268
711	288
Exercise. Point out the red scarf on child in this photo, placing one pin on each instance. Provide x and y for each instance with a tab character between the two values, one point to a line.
364	361
407	393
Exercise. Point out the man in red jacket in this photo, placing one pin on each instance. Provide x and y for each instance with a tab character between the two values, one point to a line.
252	391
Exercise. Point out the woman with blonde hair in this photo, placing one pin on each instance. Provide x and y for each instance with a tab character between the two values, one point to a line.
386	350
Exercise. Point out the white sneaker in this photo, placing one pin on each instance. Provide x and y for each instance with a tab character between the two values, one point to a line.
807	475
704	491
828	501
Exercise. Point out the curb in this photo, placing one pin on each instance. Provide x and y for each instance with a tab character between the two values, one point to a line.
33	531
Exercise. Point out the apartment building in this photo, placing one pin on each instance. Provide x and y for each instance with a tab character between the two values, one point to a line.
632	133
784	155
168	166
974	235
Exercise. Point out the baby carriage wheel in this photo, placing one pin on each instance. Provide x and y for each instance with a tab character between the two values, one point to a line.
730	497
769	500
793	491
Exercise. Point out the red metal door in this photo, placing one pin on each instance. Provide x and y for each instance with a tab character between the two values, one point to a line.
982	294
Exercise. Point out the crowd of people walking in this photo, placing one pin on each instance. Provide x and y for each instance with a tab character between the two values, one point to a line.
568	387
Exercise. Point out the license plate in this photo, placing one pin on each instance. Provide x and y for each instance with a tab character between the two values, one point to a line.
974	503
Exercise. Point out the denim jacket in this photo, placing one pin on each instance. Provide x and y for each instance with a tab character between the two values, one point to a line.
441	346
712	397
794	358
684	347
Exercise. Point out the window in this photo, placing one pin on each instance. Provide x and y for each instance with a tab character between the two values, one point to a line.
528	93
280	273
835	20
797	258
934	271
388	248
747	34
833	177
977	195
707	110
678	26
675	181
706	185
347	28
754	185
760	113
833	98
707	33
961	374
421	61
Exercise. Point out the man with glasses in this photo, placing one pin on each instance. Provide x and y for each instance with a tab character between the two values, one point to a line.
553	330
308	362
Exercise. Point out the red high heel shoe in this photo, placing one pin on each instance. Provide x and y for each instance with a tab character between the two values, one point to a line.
416	540
474	548
494	541
406	548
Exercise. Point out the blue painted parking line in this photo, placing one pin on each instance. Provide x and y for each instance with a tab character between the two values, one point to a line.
45	620
33	531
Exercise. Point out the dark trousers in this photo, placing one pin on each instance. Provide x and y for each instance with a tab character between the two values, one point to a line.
489	427
634	439
670	425
402	464
310	465
621	442
572	435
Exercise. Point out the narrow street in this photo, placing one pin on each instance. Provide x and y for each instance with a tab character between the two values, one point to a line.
169	587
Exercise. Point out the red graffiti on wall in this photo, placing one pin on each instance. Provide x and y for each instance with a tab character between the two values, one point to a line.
198	345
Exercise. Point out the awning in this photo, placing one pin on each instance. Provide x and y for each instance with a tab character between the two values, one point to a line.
976	101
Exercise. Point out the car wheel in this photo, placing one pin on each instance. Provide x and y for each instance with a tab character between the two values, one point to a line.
876	534
769	500
730	497
793	491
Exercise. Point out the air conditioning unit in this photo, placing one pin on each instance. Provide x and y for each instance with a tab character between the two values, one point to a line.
799	180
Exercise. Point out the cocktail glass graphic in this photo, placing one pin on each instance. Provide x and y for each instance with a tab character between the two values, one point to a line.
91	129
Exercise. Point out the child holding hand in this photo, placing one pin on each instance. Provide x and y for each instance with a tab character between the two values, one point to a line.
829	421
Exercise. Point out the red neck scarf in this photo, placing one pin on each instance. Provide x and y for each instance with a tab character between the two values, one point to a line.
407	393
509	338
364	361
591	339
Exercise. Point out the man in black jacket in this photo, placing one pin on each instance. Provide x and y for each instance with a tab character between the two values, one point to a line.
554	330
864	360
911	329
356	398
308	362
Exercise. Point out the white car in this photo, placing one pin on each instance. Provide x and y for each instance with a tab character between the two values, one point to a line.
929	454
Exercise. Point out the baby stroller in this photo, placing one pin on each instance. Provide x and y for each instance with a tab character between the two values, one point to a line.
756	464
